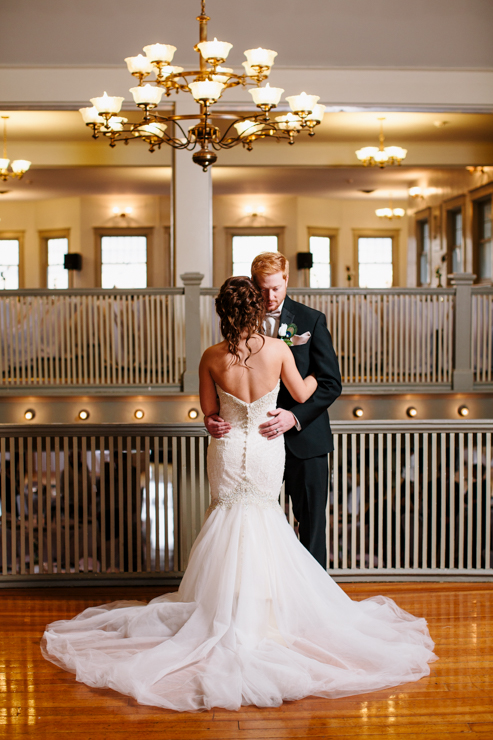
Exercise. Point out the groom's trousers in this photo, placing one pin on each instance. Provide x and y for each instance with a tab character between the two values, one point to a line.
306	483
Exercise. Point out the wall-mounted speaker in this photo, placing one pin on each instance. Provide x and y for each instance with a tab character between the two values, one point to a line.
72	261
304	260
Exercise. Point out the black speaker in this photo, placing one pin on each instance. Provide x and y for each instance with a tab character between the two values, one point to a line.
72	261
304	260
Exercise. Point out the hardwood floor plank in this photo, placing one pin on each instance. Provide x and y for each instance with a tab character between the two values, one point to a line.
455	701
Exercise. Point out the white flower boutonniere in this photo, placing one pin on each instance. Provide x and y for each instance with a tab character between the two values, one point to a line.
282	330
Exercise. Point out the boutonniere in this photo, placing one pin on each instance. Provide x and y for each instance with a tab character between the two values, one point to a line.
286	332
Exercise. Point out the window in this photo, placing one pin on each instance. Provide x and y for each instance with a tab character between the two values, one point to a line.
423	234
454	261
124	261
375	264
246	247
9	263
56	274
320	272
484	240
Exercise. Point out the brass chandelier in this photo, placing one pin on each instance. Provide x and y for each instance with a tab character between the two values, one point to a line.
210	130
19	166
380	155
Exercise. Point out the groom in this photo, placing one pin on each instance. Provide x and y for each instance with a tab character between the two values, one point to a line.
305	426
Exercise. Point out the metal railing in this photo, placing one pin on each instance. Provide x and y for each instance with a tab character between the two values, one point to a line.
92	337
404	499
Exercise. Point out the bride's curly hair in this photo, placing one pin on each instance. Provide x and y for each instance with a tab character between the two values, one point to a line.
240	306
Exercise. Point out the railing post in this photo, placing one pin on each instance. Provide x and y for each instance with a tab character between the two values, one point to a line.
192	281
462	377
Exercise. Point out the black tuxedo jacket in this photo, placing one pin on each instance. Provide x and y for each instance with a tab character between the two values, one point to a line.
316	356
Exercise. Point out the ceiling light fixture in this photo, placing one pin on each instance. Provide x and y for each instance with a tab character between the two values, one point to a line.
416	192
390	213
380	155
19	166
209	131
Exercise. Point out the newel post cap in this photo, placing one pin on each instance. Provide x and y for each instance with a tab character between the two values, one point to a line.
191	278
462	278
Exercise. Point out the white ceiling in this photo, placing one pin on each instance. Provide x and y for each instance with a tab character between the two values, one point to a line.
314	33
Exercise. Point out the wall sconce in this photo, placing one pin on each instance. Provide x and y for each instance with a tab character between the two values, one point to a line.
463	411
139	414
358	412
412	412
254	211
83	415
193	414
122	212
416	192
29	414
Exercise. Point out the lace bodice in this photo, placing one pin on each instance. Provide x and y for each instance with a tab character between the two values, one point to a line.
244	467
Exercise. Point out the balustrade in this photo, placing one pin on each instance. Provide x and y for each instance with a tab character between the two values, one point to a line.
395	339
405	499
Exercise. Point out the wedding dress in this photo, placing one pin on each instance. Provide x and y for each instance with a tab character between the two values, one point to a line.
256	619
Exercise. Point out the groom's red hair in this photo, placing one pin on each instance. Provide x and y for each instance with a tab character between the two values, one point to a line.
268	263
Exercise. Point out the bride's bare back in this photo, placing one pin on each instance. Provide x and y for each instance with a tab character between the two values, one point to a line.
270	359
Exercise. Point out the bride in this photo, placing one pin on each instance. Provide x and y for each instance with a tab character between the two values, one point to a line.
256	619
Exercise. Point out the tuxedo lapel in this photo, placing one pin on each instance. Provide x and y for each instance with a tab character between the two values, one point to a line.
287	315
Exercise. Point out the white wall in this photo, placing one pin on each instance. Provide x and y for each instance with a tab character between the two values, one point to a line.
297	216
80	216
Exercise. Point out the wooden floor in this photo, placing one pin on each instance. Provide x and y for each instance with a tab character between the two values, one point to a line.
39	700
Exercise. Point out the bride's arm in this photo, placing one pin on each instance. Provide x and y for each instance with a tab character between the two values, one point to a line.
207	389
299	388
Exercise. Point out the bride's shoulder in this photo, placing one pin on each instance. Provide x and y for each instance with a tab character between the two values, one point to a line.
275	345
213	352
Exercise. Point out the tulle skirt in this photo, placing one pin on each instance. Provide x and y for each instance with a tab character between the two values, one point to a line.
256	621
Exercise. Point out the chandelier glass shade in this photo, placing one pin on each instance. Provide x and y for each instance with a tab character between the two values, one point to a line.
209	130
380	155
19	166
390	213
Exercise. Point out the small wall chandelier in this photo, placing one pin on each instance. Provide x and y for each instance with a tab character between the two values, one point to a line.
380	155
210	131
19	166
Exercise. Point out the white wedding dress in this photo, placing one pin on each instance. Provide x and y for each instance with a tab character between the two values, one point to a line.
256	619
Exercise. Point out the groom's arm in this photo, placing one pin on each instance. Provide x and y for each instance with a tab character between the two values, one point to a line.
325	367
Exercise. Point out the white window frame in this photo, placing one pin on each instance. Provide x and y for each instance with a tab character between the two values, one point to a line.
19	236
393	234
148	232
44	236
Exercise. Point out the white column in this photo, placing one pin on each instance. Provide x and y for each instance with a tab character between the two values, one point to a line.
192	208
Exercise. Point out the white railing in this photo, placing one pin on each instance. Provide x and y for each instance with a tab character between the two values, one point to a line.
411	499
404	499
92	337
393	336
398	337
482	334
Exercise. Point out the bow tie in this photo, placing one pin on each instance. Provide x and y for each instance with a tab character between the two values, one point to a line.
273	314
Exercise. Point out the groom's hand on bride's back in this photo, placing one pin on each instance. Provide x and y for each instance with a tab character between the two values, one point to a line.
216	426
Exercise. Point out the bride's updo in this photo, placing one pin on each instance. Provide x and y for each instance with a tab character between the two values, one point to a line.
240	307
